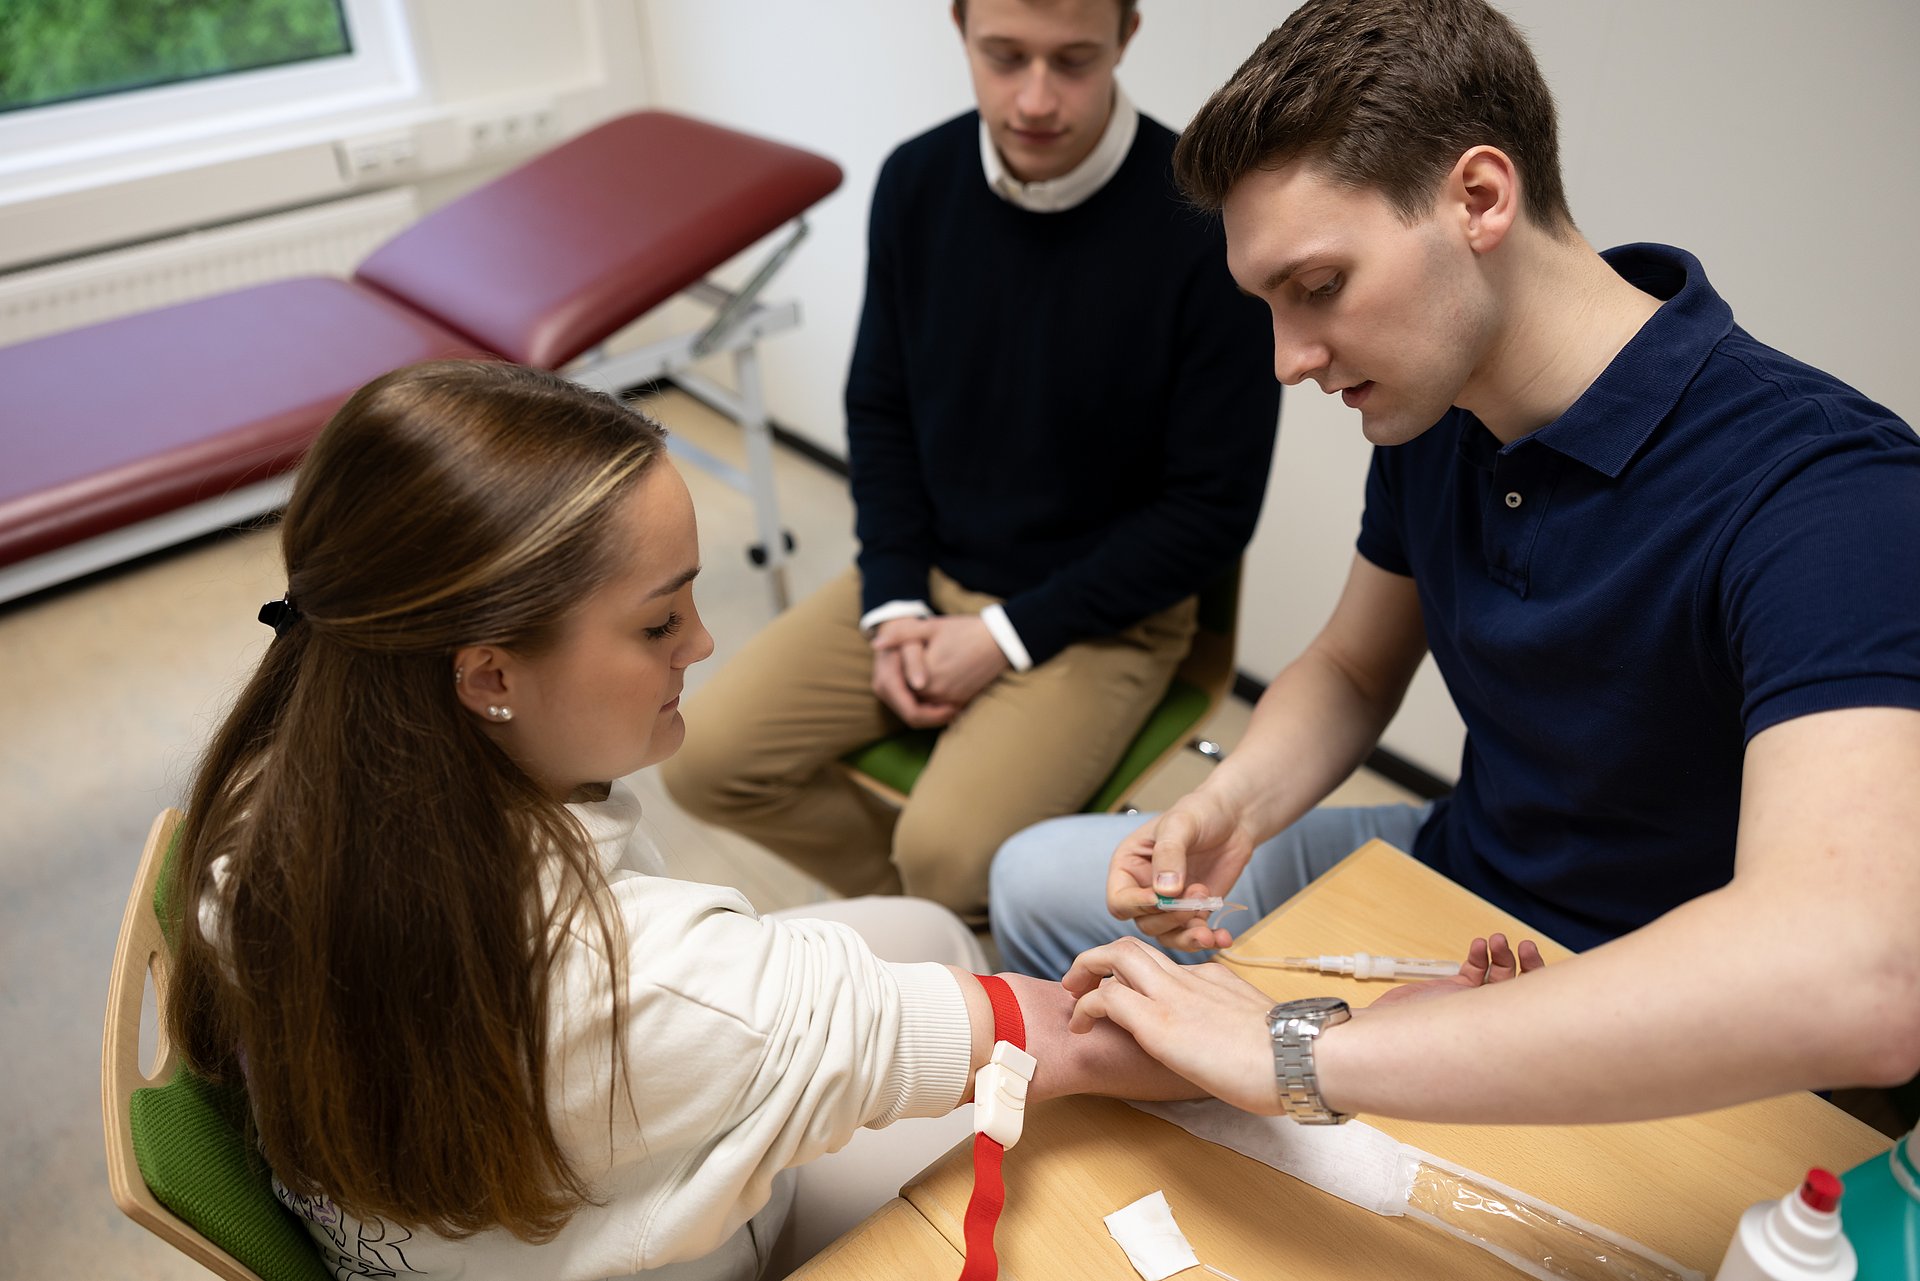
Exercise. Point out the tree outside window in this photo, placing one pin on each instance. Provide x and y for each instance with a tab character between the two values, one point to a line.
60	50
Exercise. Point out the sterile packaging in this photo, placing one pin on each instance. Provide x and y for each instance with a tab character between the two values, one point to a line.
1372	1170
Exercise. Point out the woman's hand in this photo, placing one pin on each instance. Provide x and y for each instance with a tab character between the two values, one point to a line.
1488	961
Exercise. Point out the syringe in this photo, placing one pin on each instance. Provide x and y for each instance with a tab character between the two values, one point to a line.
1212	903
1362	965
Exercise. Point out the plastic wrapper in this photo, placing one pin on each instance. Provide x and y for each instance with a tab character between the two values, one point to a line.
1371	1169
1539	1239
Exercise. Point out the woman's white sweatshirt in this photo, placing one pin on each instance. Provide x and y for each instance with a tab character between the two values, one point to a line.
752	1046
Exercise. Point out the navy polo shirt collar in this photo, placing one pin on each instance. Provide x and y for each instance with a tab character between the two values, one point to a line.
1606	427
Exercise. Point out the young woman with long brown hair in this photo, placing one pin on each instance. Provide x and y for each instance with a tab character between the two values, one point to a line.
480	1031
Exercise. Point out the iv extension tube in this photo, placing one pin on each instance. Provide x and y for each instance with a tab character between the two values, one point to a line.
1359	965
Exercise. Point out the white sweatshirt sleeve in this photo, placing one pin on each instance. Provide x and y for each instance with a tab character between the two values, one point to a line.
750	1045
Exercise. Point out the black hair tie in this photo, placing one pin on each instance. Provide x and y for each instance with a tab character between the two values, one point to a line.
280	614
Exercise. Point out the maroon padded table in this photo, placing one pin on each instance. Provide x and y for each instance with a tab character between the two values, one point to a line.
550	259
115	428
128	419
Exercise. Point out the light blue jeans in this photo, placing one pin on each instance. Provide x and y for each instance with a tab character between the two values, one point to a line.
1047	890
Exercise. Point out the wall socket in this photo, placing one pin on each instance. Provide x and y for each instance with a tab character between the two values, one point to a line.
526	127
378	157
502	131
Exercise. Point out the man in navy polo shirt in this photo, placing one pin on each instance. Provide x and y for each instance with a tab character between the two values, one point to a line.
1670	575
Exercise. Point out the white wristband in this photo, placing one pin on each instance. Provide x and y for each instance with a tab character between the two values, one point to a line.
1000	627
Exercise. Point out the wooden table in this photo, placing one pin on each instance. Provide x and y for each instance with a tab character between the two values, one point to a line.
1677	1186
895	1242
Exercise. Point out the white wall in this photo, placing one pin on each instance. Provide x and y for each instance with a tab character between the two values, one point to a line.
1774	140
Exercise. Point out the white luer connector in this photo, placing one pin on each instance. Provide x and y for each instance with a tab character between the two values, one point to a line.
1000	1094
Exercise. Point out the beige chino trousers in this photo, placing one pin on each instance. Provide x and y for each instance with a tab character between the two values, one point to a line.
765	735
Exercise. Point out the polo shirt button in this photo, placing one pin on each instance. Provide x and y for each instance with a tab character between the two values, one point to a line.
1513	498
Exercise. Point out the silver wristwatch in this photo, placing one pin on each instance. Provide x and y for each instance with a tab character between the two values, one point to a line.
1294	1026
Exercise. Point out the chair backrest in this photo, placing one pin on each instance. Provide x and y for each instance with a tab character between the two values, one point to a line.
178	1159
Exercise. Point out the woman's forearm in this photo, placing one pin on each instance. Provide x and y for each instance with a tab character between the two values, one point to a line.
1107	1061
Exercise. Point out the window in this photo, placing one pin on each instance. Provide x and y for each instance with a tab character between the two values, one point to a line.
55	51
82	80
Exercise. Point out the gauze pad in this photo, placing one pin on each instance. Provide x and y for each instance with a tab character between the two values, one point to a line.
1152	1240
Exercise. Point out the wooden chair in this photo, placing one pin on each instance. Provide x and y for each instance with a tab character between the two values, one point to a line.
891	766
178	1158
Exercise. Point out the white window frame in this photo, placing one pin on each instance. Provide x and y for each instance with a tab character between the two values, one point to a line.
380	72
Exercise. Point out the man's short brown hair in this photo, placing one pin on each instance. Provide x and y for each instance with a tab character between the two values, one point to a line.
1382	94
1126	13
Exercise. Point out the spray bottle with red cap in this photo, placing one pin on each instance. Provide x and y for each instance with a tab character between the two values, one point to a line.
1796	1238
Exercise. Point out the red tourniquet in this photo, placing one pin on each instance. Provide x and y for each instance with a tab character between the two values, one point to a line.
989	1192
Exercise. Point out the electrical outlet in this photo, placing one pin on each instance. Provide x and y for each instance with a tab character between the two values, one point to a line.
525	127
379	157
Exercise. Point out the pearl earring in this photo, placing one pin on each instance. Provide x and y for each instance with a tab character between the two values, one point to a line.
500	713
459	675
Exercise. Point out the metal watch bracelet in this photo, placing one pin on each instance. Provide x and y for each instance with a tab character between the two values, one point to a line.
1294	1027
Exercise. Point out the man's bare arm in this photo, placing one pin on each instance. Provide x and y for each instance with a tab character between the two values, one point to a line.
1803	973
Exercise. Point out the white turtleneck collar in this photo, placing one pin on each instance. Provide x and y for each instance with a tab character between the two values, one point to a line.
1051	195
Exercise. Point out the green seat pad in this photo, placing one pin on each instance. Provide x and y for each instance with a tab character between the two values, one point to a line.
189	1137
190	1140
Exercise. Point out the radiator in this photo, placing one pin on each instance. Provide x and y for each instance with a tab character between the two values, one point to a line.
325	240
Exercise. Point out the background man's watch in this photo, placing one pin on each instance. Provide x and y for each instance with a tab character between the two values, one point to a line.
1294	1025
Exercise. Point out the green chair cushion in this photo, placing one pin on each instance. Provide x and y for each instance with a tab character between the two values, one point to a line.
898	761
189	1137
895	761
163	890
1180	710
190	1140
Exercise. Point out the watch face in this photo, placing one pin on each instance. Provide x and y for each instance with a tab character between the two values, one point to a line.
1309	1006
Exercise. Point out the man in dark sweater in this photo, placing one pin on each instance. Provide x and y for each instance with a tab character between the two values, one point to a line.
1060	416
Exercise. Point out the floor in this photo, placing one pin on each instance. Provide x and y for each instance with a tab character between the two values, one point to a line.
116	682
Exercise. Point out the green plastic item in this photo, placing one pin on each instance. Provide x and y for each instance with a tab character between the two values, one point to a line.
1880	1213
